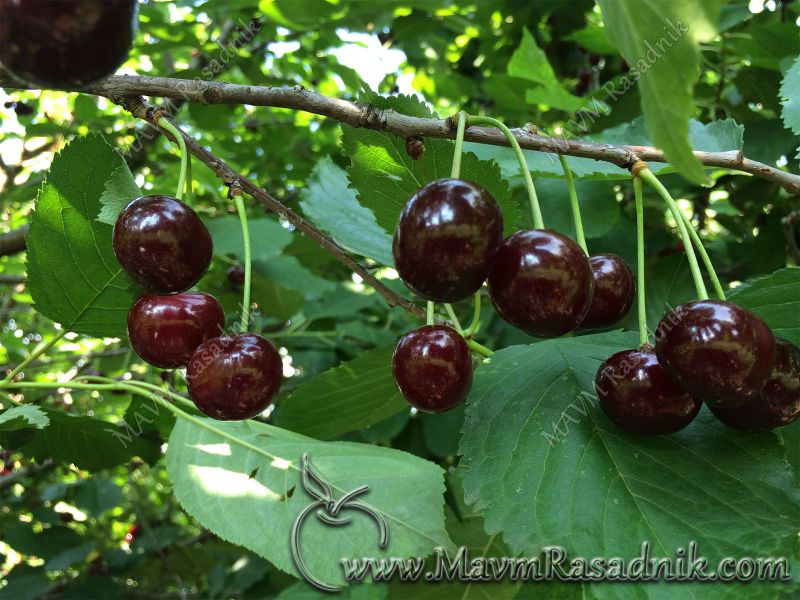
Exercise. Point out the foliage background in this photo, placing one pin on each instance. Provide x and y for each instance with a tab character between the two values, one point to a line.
84	516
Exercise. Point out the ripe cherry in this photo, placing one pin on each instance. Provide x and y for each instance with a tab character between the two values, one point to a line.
234	378
613	291
236	275
432	366
778	402
446	238
636	393
166	330
53	43
716	351
541	282
162	244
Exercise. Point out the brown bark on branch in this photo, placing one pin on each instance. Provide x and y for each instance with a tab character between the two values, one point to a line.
138	107
13	241
370	117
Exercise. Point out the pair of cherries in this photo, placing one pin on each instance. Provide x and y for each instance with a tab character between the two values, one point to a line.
165	248
708	351
448	241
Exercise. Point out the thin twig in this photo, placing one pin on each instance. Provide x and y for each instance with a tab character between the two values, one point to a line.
139	108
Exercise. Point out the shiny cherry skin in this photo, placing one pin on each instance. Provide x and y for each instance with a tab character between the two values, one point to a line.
541	282
162	244
715	350
432	366
166	330
234	378
446	238
55	43
614	289
636	393
778	402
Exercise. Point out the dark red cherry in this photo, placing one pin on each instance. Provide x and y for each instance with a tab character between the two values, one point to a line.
162	244
636	393
234	378
433	368
58	43
778	402
236	275
716	351
446	238
166	330
541	282
613	291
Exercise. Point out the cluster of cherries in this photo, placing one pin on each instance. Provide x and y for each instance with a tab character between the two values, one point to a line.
708	351
448	241
165	248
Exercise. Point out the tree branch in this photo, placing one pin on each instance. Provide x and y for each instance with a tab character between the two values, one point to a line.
13	241
139	108
370	117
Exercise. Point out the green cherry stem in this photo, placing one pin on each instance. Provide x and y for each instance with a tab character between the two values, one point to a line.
237	197
461	126
33	356
476	316
573	200
538	222
429	307
188	197
698	243
166	125
478	348
451	313
642	303
648	177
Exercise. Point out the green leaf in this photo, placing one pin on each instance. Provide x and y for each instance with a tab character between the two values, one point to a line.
354	395
287	271
73	276
660	40
597	199
332	206
23	417
120	189
530	62
267	237
386	177
546	467
790	98
97	495
776	299
223	470
274	300
88	443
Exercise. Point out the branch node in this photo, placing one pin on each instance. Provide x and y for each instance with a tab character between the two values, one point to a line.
637	166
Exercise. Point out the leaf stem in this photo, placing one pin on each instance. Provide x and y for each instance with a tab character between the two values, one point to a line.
479	348
247	261
451	313
653	181
538	222
640	291
33	356
573	200
166	125
461	126
698	243
476	316
429	312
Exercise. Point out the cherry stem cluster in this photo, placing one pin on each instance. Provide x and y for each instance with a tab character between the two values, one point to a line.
538	222
653	181
573	200
640	291
167	126
698	243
